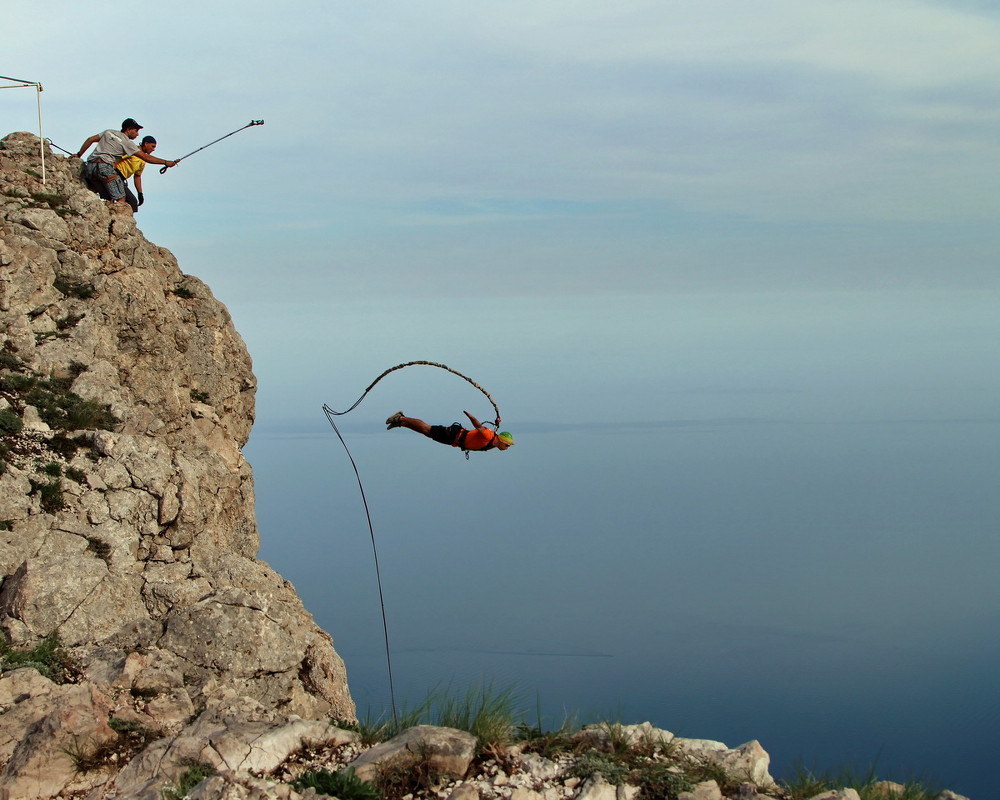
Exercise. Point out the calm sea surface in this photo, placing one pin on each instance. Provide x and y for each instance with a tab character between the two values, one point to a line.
738	517
827	588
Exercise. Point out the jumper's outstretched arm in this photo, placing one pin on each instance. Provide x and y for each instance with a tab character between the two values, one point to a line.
475	422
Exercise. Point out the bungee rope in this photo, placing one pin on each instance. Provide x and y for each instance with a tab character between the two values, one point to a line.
50	143
378	575
416	363
330	414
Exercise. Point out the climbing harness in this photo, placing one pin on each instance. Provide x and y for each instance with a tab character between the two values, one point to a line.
330	414
250	124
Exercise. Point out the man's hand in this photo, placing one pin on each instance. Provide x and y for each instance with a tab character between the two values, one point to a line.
141	198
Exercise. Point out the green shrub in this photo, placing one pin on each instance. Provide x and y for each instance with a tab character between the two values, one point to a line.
195	773
343	784
658	781
592	763
50	495
549	744
16	383
47	657
67	411
10	422
374	730
10	361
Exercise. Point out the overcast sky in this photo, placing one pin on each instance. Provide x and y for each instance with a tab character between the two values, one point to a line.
543	147
437	155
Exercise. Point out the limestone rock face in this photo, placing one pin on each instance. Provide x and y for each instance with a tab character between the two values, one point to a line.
127	522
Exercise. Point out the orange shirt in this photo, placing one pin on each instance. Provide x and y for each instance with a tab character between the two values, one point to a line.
479	439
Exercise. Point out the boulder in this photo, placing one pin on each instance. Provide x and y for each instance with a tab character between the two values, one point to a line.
441	751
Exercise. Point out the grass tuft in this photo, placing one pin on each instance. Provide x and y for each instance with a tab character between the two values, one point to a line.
486	713
194	774
10	422
342	784
804	783
50	495
47	657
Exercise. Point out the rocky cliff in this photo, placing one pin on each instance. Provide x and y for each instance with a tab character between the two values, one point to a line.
128	539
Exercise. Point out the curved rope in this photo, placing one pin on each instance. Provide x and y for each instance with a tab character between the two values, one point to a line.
330	414
378	575
424	363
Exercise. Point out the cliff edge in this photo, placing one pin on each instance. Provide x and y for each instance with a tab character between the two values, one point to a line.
128	539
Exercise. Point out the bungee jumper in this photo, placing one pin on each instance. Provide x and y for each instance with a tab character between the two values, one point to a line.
475	440
478	439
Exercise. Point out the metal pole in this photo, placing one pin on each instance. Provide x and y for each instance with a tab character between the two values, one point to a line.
248	125
41	138
19	84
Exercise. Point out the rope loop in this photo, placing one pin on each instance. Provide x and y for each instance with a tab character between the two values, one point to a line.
371	386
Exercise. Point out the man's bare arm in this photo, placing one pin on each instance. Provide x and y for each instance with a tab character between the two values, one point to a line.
475	422
154	159
87	145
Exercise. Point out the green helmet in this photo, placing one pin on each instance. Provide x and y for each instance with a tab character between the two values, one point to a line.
506	438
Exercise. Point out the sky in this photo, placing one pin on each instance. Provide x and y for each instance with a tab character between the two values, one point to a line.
530	149
690	219
460	156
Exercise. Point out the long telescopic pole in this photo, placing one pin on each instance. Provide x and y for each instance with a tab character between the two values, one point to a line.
248	125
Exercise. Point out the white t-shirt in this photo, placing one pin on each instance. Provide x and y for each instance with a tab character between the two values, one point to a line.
113	146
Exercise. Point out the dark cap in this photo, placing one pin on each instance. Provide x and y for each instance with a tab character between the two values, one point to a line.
148	140
129	124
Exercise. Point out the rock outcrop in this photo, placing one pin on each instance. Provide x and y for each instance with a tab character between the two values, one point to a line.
127	527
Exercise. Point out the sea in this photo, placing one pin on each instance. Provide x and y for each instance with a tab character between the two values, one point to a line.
785	530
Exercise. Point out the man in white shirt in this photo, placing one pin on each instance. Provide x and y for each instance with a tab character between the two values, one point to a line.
112	146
